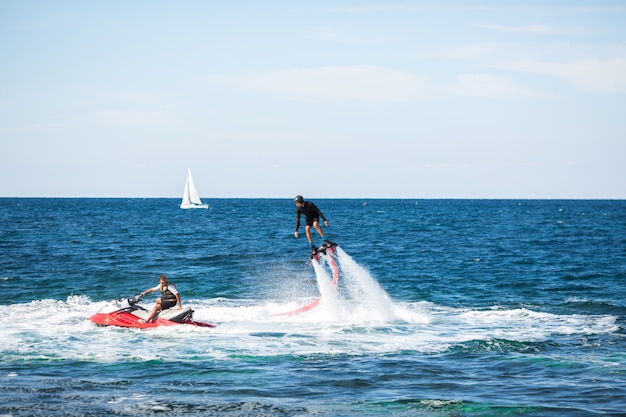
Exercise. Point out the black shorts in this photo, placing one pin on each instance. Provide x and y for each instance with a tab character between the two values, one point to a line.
167	304
309	222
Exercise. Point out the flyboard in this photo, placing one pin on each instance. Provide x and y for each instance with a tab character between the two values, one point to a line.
328	251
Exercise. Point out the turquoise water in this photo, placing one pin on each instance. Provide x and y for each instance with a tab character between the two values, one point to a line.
443	308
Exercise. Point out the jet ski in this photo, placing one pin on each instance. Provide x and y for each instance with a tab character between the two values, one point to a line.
125	312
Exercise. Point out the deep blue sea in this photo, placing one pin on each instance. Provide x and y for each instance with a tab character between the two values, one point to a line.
443	308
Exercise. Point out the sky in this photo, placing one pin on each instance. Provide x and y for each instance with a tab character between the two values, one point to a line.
328	99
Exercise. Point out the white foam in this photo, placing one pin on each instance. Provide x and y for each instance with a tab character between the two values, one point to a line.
372	300
357	318
330	302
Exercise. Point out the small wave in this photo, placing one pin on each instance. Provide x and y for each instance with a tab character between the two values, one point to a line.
504	346
599	307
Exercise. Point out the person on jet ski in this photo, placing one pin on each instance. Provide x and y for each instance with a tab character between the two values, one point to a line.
170	297
312	215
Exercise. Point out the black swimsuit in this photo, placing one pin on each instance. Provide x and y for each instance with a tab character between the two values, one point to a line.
310	212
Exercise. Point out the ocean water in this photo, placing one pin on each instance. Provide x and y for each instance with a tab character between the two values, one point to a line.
442	308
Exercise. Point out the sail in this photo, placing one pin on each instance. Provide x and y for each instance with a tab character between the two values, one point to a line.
186	201
191	198
194	198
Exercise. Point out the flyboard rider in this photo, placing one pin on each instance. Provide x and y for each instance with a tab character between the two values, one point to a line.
312	216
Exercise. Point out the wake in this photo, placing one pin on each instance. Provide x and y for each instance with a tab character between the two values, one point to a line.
347	291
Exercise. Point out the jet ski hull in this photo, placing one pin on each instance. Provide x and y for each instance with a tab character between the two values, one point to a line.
126	313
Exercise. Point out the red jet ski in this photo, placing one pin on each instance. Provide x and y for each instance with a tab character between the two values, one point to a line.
124	312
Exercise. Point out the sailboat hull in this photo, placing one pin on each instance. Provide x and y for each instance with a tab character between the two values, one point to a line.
194	206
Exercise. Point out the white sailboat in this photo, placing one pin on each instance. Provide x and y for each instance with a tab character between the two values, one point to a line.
191	199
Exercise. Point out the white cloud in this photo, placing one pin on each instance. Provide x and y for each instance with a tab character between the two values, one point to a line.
594	75
467	52
490	86
439	165
343	36
116	118
531	28
368	83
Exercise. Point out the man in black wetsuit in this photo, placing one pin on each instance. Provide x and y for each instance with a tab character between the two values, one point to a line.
312	215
